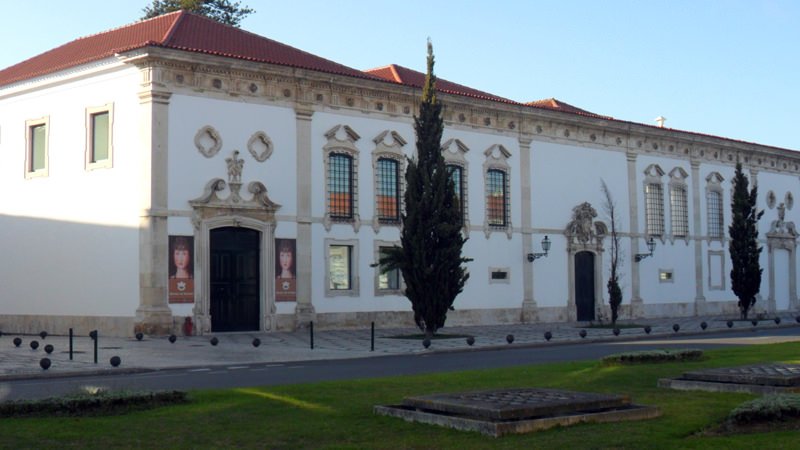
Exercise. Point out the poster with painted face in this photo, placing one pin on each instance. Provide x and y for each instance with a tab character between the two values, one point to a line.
181	269
285	278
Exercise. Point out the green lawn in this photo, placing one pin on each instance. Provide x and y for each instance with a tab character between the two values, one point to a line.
339	414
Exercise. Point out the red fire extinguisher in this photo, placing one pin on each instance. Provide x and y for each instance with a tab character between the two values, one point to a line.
188	327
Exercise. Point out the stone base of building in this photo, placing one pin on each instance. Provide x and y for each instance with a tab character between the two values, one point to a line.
127	326
60	325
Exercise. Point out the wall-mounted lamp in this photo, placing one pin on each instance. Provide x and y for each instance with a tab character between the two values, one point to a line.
545	246
651	245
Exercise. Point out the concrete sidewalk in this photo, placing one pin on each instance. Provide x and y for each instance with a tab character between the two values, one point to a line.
157	353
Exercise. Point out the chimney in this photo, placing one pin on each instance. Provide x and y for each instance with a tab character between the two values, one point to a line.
660	121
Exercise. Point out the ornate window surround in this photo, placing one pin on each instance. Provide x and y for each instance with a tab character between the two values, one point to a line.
260	146
109	161
454	152
652	176
29	125
388	145
720	254
714	184
678	185
376	254
341	140
497	159
354	278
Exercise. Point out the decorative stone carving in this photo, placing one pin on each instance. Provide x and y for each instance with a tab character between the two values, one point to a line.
780	227
583	231
260	146
210	204
771	199
208	141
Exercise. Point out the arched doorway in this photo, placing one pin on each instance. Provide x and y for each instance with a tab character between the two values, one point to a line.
584	286
234	277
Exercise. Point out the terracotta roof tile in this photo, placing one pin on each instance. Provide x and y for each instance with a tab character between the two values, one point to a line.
408	77
179	30
558	105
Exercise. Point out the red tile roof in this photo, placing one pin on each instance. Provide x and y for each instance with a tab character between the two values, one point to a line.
408	77
180	30
558	105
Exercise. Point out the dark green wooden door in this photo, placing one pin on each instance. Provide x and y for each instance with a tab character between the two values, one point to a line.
584	285
235	279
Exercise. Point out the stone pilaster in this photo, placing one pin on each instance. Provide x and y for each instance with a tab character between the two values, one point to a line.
699	298
637	304
153	315
529	307
304	310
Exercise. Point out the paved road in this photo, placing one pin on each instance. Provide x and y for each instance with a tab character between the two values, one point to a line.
278	373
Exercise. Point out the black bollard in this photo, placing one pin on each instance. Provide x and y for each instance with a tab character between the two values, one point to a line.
510	338
172	338
43	335
548	335
115	361
214	341
45	363
94	336
426	342
48	348
256	342
582	334
616	331
139	336
372	339
777	320
17	342
647	329
676	327
70	344
729	323
311	333
34	345
470	341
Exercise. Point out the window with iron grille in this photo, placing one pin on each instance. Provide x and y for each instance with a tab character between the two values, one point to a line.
715	225
340	186
679	218
654	207
496	198
388	190
457	177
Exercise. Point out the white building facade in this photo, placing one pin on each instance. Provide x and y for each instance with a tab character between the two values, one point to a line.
109	164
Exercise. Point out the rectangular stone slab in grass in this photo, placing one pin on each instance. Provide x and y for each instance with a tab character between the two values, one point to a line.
762	374
506	404
506	411
757	379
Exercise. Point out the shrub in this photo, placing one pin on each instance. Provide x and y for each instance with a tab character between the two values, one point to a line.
776	407
654	356
89	404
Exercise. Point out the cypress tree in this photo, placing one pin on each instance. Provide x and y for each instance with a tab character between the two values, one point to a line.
743	245
429	257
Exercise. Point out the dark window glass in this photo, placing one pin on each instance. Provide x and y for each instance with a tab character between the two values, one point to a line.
496	198
388	194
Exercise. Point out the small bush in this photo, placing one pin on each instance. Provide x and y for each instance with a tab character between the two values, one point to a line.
91	404
654	356
778	407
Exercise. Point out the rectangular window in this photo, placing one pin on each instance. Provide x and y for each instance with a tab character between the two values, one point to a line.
496	198
100	141
38	148
388	190
679	210
715	225
340	267
654	206
388	280
457	177
340	186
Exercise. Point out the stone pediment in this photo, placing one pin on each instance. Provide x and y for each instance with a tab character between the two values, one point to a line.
212	204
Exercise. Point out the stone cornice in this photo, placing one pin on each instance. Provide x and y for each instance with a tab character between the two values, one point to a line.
213	76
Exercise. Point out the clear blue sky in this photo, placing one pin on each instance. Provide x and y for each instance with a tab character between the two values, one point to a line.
723	67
